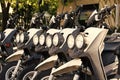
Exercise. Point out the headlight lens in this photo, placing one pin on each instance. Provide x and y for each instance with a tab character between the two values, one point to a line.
42	39
79	41
22	38
58	39
49	41
18	38
55	40
35	39
70	41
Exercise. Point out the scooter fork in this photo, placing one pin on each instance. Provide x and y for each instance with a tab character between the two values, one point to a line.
51	76
76	76
16	69
35	74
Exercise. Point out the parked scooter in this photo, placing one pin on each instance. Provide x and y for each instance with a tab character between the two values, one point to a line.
7	44
24	44
42	50
89	39
53	46
23	52
92	54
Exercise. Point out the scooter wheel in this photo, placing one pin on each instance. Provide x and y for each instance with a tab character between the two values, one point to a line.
25	71
44	75
6	71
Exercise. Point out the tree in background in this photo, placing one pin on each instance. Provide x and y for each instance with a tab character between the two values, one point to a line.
5	5
26	8
49	5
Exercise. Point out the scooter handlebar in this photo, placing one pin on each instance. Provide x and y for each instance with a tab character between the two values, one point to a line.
100	15
107	9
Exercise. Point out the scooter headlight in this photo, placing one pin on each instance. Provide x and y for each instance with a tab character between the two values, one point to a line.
58	39
79	41
55	40
70	41
18	38
35	39
23	37
42	39
49	41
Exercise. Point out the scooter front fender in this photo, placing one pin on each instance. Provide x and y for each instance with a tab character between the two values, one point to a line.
15	56
47	64
70	66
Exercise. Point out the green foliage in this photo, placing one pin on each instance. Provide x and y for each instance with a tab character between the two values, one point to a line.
26	8
49	5
66	2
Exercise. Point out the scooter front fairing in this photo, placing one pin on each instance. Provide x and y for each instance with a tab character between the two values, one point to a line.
15	56
47	64
94	40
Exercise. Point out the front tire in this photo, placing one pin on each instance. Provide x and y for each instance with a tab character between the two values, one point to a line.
5	68
7	71
43	75
25	71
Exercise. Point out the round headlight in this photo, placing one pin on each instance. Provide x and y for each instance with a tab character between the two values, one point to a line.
22	38
58	39
55	40
42	39
17	38
35	39
49	41
79	41
70	41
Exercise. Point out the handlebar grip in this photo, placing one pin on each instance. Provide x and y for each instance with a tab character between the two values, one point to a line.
112	7
107	10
